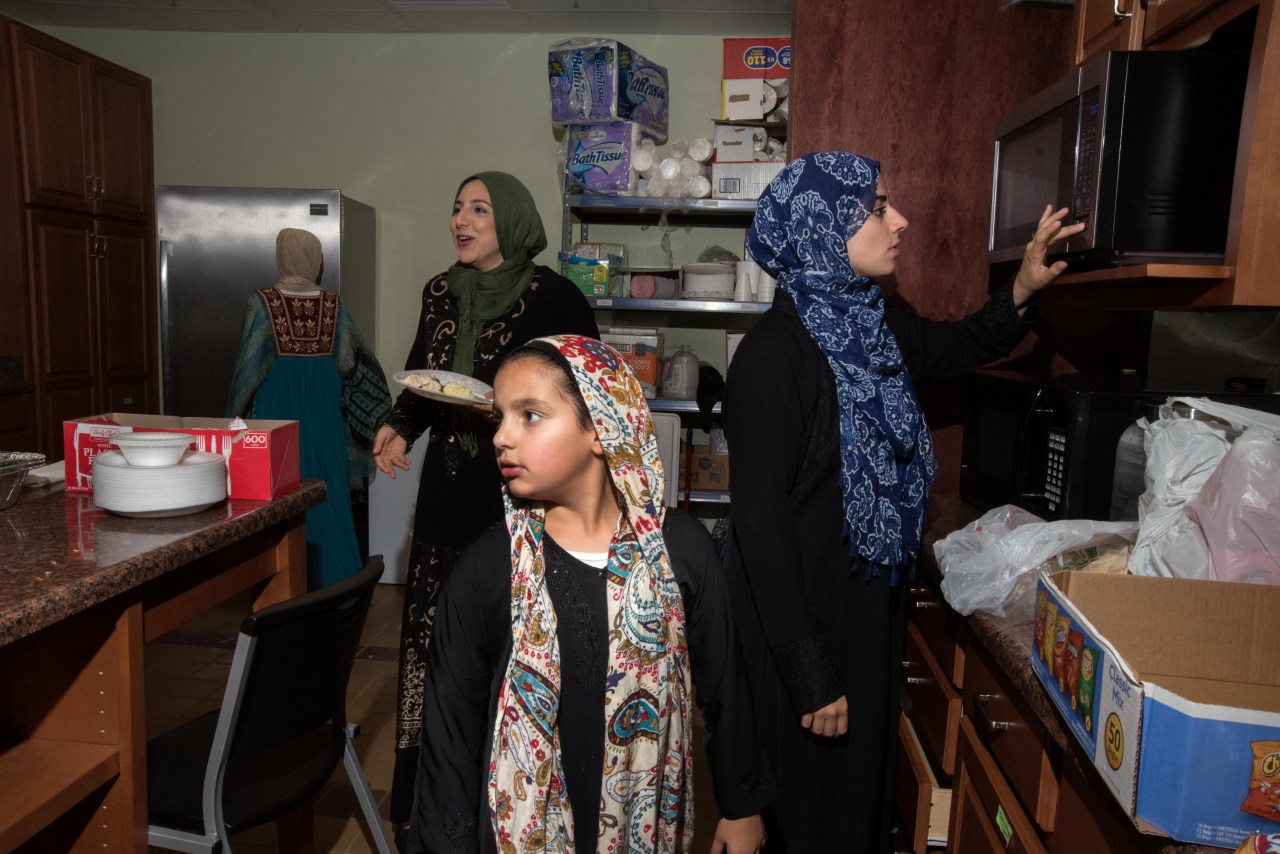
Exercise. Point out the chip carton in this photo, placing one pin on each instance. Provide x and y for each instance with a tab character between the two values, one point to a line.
262	459
1172	686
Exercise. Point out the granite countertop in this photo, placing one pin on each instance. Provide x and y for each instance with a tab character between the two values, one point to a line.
1009	644
62	554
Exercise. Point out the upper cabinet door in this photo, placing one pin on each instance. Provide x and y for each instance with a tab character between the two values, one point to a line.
54	108
1106	25
86	130
1165	17
122	142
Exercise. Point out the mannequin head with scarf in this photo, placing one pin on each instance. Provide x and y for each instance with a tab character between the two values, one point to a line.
496	233
819	211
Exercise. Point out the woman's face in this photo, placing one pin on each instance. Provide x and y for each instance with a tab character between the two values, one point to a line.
543	451
873	249
475	235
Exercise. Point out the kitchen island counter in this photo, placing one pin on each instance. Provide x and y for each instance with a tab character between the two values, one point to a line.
1009	648
81	592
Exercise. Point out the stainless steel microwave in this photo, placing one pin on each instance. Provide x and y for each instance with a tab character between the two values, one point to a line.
1140	145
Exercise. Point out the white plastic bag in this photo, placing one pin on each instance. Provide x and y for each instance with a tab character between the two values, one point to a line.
983	562
1211	509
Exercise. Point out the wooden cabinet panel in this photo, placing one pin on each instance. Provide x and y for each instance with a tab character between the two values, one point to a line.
127	315
1015	737
1089	819
1163	17
19	427
940	626
122	142
54	109
930	699
1106	25
62	279
985	814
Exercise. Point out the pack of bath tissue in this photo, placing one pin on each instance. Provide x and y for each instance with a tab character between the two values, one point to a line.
602	80
600	158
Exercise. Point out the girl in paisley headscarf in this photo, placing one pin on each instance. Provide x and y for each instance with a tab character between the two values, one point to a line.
831	466
567	643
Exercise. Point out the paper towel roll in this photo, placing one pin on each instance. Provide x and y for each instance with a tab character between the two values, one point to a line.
642	161
781	85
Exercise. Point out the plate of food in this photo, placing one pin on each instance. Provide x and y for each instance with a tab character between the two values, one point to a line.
445	386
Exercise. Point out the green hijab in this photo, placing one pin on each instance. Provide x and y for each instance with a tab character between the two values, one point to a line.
484	296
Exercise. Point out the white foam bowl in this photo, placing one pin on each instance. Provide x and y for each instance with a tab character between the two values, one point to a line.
707	281
152	449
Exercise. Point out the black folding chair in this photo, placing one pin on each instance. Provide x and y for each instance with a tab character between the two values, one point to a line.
280	732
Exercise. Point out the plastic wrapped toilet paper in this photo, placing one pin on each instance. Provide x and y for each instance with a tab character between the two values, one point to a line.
601	80
600	158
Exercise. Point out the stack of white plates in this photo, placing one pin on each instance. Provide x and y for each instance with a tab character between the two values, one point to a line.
198	481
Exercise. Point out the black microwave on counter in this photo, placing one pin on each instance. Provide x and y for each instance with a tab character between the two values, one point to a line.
1140	145
1048	444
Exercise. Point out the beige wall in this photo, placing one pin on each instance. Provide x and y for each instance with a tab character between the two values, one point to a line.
394	121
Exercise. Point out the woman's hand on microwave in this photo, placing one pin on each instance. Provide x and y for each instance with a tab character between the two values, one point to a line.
1034	276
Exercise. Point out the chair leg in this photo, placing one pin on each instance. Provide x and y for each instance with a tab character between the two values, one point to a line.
295	831
360	784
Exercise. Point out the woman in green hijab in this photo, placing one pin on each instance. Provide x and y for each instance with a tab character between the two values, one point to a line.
492	300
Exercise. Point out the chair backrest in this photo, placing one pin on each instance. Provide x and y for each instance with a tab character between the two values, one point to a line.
285	706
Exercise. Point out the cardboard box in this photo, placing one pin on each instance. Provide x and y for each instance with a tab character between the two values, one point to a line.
756	58
1181	713
262	459
743	100
707	472
736	143
743	180
642	350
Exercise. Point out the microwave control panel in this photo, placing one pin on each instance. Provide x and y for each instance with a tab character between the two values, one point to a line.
1054	466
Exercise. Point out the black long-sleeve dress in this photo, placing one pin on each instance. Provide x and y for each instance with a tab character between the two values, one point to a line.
467	661
813	628
459	487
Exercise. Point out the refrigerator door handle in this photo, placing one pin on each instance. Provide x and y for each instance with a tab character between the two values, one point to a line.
166	393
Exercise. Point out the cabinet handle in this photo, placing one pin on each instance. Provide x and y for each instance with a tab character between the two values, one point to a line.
91	186
1118	13
925	604
914	680
980	713
101	185
102	252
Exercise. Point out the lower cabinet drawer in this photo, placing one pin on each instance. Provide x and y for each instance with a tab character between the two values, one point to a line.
1014	736
934	704
986	817
940	626
925	806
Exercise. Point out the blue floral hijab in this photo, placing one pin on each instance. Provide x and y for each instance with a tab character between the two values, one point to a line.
803	221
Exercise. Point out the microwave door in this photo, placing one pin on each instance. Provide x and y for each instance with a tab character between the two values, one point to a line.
1035	165
1030	455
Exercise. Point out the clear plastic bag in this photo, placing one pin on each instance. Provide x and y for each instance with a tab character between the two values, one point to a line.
1212	505
985	565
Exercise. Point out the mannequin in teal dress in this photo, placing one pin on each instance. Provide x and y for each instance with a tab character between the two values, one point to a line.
302	359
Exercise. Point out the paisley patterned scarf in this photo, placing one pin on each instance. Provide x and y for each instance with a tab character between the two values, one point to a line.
803	221
646	798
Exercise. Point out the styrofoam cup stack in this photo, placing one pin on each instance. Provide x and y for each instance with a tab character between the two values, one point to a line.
700	149
765	287
669	169
678	149
657	187
690	169
643	161
742	286
699	187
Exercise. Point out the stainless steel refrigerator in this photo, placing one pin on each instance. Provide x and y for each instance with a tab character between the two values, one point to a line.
217	246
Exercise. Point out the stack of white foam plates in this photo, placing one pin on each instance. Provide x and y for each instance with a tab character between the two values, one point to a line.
198	481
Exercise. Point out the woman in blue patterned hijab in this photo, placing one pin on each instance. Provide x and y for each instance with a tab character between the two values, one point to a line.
802	228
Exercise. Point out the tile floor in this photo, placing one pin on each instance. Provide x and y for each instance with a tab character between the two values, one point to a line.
187	671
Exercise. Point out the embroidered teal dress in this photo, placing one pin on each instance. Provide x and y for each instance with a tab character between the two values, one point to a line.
301	358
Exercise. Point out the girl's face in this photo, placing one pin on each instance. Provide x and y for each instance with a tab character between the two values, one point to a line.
873	249
544	453
475	236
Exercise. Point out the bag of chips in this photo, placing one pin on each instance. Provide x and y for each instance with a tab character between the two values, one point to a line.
1263	798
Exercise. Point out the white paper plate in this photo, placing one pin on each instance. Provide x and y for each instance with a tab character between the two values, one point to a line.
477	388
197	482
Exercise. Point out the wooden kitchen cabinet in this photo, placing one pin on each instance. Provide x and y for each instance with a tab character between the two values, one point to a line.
77	236
1100	26
95	286
1165	16
985	814
85	127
